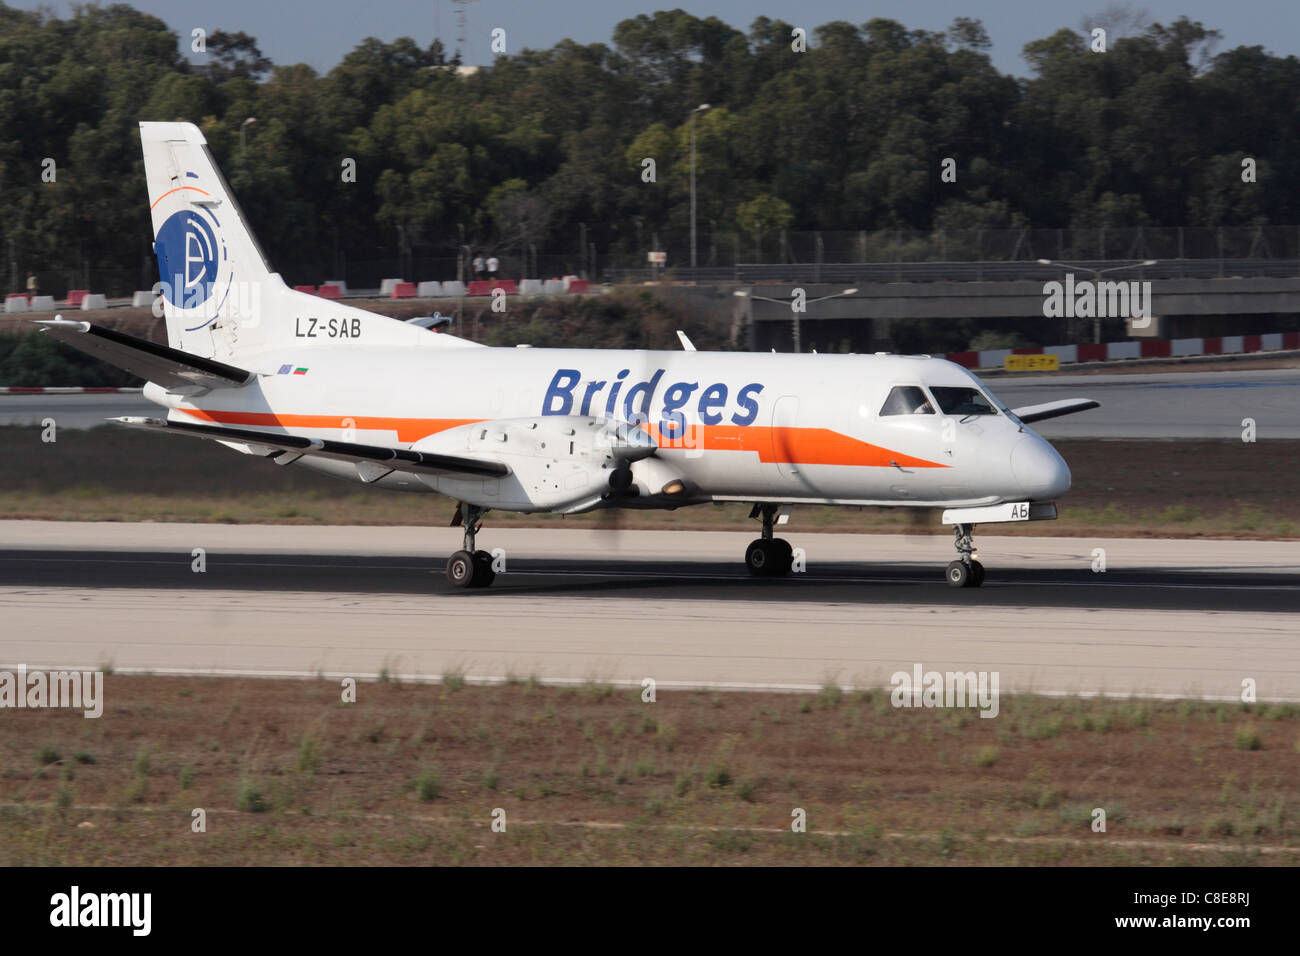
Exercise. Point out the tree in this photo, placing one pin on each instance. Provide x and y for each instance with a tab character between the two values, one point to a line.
761	215
969	34
545	146
234	55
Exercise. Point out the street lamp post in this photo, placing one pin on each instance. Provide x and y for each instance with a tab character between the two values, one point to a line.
699	109
794	330
460	252
1096	318
242	128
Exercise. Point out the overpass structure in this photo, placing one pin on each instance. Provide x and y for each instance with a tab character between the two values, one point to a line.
1188	297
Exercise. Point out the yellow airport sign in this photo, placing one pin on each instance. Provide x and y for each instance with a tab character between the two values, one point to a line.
1033	363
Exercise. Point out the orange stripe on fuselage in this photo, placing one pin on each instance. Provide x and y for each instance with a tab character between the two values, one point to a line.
779	444
789	445
821	446
408	429
176	190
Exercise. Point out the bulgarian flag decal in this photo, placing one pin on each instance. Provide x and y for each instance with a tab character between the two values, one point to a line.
300	371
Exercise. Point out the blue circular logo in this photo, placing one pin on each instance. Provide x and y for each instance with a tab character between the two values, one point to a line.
188	257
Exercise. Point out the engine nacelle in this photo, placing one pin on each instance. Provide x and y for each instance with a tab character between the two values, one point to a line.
655	478
557	462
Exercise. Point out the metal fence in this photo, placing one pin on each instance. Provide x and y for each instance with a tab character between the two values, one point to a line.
840	273
881	255
831	256
972	245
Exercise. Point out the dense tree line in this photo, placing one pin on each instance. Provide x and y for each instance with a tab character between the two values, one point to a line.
27	359
547	146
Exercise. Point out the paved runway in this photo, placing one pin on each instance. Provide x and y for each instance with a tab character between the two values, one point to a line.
1165	618
72	411
1136	405
1165	404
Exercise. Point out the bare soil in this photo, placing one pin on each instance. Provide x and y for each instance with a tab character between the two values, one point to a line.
287	773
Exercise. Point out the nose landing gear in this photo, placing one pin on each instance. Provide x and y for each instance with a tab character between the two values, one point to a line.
768	557
468	568
965	572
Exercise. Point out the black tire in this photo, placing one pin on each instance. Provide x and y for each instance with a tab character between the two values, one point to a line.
780	555
977	574
758	558
461	570
483	573
958	575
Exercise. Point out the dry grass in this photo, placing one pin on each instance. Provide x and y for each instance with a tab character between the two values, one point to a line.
287	773
1129	488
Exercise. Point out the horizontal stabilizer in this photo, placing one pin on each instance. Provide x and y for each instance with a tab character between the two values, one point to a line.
169	367
396	458
1067	406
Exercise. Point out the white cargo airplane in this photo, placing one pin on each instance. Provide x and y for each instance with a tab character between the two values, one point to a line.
303	380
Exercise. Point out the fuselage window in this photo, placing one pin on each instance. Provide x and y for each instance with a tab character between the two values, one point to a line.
956	400
906	400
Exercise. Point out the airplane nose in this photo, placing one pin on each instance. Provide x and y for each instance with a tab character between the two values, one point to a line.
1040	470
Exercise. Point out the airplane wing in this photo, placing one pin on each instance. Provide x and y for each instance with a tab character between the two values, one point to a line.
1067	406
152	362
362	455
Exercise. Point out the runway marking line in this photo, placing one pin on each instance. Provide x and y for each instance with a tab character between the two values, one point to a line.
631	683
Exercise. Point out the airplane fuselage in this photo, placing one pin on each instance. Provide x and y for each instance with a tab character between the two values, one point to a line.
731	426
295	378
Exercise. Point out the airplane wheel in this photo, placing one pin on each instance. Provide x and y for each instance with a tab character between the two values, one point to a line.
958	574
977	574
461	570
483	573
779	557
758	558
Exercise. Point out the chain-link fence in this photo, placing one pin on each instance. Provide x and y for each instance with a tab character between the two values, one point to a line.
1202	251
972	245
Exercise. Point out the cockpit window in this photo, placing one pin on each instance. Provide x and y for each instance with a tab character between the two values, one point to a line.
1000	405
956	400
906	400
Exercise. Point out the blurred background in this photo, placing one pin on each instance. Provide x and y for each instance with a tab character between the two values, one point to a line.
820	167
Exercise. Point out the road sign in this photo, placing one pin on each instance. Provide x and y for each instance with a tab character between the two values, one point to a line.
1033	363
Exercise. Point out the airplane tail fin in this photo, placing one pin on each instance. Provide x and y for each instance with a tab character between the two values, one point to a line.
219	295
214	276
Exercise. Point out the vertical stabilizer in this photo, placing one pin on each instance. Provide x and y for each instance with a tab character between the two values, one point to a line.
220	297
215	279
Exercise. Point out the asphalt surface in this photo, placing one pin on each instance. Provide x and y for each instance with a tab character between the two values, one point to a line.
1165	618
72	411
1134	405
653	582
1165	404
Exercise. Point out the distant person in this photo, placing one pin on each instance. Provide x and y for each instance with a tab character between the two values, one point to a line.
33	287
493	264
479	265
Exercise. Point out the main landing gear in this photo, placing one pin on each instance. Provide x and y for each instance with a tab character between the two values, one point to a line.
965	572
468	568
768	557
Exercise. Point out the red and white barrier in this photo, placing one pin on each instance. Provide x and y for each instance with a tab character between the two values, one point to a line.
1136	349
66	390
